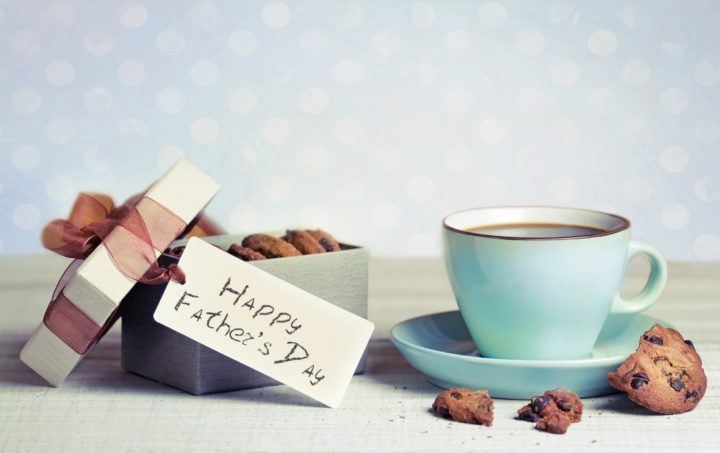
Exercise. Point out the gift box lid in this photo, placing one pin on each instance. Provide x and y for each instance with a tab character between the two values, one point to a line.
122	251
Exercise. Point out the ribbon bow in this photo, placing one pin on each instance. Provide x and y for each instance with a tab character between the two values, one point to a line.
92	220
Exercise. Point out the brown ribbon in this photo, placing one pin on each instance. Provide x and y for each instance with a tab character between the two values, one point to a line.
66	321
71	325
132	233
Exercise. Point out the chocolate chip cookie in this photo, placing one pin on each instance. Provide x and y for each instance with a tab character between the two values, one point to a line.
464	405
304	242
664	374
270	246
553	412
245	253
326	240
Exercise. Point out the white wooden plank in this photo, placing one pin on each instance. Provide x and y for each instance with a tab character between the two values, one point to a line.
387	409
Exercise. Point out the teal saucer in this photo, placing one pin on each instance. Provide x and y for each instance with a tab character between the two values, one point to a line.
439	347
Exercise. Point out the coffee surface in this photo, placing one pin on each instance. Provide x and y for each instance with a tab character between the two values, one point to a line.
537	230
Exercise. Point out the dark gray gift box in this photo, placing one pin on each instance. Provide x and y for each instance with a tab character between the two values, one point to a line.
159	353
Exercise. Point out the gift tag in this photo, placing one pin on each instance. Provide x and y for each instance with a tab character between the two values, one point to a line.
264	322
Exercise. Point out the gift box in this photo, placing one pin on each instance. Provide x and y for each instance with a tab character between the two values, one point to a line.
121	270
154	351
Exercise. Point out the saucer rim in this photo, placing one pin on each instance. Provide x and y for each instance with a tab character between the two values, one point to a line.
531	363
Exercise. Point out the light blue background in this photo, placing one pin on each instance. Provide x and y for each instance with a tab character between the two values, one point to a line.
370	119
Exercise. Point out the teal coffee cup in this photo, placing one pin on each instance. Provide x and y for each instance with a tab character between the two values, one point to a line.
537	282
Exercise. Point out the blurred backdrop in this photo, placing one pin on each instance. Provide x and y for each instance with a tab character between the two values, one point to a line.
371	119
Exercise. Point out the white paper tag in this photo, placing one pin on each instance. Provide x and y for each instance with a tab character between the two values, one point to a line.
264	322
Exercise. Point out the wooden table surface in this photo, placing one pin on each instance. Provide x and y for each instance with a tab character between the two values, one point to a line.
102	408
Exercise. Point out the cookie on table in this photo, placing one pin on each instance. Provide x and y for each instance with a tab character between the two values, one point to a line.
464	405
554	411
664	374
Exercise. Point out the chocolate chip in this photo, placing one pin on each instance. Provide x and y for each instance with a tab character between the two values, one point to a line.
653	339
456	395
443	412
538	403
528	416
689	395
690	343
676	384
564	405
327	245
639	379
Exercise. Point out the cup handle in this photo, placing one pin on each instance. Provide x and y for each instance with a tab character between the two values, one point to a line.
654	285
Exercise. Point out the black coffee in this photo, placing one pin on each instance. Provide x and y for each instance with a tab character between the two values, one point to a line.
537	230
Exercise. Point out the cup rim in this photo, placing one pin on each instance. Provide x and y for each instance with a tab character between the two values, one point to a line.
625	224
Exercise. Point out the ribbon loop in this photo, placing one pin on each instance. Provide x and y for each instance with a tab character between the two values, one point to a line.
158	275
71	238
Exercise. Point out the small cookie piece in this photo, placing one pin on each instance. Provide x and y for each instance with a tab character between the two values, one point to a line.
554	422
304	241
664	374
464	405
270	246
326	240
553	412
245	253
